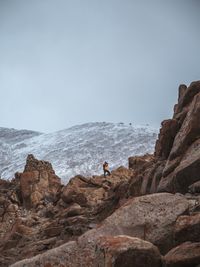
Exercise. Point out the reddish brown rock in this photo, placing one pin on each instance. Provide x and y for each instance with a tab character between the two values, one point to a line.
140	163
185	255
149	217
186	95
181	93
38	182
189	131
53	231
126	251
27	182
9	205
183	163
151	178
93	191
143	167
185	174
187	228
4	184
17	231
166	137
78	190
134	187
156	177
73	196
170	166
74	210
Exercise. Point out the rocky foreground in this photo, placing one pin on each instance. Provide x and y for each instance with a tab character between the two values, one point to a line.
146	215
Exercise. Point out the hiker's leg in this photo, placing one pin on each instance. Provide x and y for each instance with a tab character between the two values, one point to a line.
107	172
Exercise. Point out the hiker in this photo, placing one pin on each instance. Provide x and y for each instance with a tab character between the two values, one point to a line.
106	169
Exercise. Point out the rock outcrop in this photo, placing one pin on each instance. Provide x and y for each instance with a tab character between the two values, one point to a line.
183	159
38	183
176	165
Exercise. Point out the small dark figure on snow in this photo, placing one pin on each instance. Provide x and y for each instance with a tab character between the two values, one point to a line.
106	169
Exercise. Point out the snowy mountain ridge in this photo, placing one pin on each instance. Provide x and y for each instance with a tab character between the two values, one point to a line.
79	149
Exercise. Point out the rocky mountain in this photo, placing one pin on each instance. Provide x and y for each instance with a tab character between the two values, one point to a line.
145	215
79	149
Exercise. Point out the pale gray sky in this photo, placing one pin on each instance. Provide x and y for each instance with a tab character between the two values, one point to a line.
66	62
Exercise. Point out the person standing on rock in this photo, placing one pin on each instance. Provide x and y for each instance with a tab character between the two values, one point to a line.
106	169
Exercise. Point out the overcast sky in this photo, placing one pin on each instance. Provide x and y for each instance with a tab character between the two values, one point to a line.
67	62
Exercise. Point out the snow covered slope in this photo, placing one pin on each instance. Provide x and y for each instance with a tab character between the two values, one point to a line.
77	150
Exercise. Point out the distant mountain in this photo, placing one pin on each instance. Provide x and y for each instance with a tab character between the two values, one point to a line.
80	149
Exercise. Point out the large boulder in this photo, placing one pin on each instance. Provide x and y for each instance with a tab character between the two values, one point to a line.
149	217
83	191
